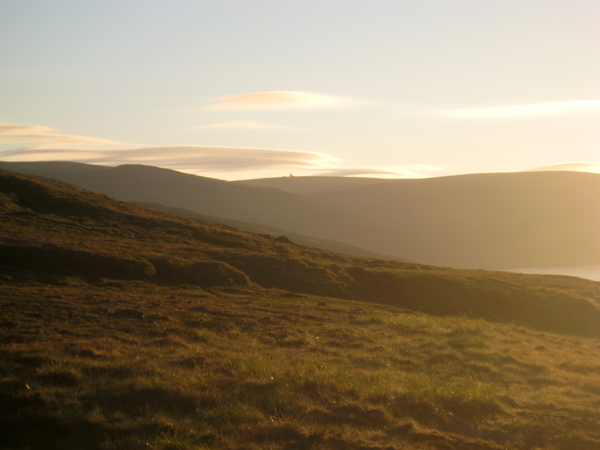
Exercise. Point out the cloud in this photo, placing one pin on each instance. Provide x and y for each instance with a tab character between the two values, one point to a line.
229	163
198	159
46	137
275	100
243	125
537	109
51	154
11	129
404	171
209	158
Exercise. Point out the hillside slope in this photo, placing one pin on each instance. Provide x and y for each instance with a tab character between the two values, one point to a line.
324	244
203	195
52	228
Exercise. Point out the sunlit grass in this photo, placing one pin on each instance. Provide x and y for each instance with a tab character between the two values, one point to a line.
225	377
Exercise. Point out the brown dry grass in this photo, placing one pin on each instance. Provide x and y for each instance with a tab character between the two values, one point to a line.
266	369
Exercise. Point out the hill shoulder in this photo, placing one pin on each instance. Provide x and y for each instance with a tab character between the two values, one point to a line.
96	237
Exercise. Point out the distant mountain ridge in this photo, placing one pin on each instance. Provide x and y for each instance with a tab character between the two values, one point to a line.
485	221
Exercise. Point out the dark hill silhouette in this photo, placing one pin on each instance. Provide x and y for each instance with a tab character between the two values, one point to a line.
51	230
489	221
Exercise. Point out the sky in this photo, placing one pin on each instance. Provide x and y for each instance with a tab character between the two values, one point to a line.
240	89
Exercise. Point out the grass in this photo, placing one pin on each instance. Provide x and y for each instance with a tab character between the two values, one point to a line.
354	375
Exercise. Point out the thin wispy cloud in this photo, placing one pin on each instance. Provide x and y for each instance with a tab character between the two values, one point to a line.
402	171
197	159
45	137
47	144
16	130
229	163
243	125
529	110
408	171
275	100
214	157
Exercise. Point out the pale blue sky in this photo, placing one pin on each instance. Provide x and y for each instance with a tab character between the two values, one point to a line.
411	87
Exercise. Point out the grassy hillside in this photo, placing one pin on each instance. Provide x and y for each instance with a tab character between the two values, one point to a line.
52	228
121	365
217	198
124	327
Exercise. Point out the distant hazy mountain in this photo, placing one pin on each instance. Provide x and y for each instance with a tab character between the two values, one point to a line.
499	220
482	220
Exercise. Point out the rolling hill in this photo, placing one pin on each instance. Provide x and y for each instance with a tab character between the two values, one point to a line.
50	227
201	195
498	220
485	221
126	327
502	220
